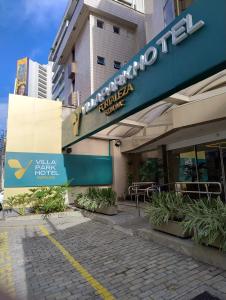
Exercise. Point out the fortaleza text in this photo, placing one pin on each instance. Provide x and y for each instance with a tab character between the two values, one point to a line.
116	101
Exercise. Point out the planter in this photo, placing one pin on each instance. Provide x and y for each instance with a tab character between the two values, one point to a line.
111	210
215	244
172	227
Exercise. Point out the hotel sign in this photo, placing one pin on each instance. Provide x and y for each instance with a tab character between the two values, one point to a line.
24	169
190	49
116	101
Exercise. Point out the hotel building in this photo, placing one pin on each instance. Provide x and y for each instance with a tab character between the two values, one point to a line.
181	137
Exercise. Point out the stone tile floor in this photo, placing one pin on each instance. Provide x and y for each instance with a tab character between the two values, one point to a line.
128	267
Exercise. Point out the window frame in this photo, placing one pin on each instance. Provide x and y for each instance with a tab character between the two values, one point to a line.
101	23
117	62
116	29
99	58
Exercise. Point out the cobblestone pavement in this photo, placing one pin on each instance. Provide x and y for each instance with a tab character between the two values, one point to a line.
126	267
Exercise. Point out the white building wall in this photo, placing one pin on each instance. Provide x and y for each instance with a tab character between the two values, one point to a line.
113	47
82	60
154	18
33	79
49	79
116	11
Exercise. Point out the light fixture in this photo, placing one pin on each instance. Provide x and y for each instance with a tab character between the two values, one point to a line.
117	143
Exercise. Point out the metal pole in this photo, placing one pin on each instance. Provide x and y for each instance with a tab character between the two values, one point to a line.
196	167
223	171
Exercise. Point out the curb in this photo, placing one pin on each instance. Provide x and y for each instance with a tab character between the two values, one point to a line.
41	217
205	254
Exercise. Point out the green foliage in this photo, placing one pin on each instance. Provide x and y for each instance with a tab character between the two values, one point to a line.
166	206
48	199
95	198
19	201
44	200
150	170
206	218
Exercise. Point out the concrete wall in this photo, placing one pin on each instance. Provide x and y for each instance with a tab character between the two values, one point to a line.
91	147
82	60
120	176
113	47
154	19
34	125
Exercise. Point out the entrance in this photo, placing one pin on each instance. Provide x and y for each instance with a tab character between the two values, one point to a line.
200	163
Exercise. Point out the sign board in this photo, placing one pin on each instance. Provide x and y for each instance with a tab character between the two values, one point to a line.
21	77
188	50
43	169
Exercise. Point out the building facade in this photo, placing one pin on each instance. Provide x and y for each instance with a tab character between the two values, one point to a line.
33	79
111	32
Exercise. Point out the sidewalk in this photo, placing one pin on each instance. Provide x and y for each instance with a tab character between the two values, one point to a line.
128	221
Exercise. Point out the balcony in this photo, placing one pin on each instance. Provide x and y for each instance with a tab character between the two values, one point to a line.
72	70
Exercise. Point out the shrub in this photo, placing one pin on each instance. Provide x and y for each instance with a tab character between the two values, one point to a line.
206	218
19	201
95	198
166	206
44	200
48	199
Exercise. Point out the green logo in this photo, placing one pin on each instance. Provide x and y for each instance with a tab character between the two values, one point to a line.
20	170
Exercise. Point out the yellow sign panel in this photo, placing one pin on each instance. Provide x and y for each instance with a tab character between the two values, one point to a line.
20	171
21	76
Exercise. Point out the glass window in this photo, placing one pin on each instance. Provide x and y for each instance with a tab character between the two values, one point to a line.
100	60
100	24
208	160
116	29
117	64
183	165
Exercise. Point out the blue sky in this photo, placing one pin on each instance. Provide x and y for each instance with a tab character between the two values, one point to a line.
27	28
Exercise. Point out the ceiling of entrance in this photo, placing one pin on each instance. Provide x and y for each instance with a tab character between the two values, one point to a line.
152	117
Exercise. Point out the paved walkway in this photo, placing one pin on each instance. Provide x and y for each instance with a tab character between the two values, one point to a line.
76	258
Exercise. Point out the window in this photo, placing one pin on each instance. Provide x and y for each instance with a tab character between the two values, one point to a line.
100	24
116	29
100	60
127	2
117	64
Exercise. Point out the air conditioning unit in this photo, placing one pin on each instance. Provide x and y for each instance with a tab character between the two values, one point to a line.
72	70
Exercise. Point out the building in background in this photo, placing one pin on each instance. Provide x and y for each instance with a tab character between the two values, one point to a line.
33	79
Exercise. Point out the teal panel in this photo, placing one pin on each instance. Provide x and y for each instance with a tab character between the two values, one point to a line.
34	169
200	55
44	169
88	169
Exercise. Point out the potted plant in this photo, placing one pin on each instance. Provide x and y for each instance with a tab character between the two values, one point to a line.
206	218
166	213
101	200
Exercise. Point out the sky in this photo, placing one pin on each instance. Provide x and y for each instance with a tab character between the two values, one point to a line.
27	28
